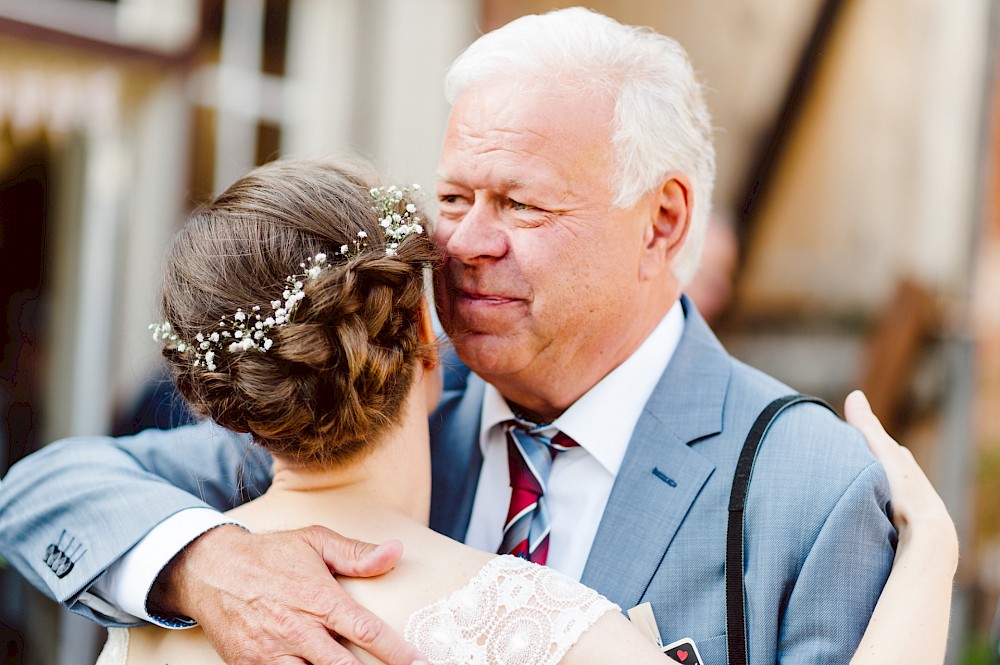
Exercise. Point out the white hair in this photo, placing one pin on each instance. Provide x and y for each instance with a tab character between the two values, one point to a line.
661	123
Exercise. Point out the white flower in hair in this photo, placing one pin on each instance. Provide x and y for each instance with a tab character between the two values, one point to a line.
396	215
249	328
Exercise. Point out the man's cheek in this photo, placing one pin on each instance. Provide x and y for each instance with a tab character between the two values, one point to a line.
443	228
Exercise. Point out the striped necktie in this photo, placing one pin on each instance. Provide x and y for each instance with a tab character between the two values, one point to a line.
529	456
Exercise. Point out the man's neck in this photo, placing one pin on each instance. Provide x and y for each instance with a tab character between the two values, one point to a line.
542	399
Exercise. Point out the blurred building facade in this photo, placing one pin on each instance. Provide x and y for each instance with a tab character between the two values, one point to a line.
851	157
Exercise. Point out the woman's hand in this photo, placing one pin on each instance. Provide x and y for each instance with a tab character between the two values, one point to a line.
910	623
917	508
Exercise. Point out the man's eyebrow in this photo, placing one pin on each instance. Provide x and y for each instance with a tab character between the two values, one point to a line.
508	183
443	176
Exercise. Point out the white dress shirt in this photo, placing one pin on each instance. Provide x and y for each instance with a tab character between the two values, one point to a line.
127	582
601	421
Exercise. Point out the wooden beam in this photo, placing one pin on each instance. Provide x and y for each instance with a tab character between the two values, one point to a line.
772	145
36	32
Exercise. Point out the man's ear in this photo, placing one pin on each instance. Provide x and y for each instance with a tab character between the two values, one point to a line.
669	222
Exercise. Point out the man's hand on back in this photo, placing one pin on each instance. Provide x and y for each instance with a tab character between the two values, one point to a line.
272	598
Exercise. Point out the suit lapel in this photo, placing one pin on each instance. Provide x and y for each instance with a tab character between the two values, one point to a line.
661	475
456	458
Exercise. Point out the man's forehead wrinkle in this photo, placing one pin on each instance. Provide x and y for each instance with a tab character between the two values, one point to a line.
538	135
505	137
486	138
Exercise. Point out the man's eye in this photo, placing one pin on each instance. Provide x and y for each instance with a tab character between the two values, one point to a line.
517	205
453	202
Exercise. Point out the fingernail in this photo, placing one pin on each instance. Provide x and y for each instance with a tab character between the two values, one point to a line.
391	543
858	399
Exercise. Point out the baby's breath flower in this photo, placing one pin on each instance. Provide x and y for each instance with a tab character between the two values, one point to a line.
398	217
251	331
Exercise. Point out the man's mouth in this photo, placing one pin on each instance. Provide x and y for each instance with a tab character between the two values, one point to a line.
479	296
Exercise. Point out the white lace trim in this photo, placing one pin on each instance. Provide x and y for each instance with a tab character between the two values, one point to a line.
511	613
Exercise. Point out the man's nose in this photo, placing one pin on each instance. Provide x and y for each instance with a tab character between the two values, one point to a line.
479	236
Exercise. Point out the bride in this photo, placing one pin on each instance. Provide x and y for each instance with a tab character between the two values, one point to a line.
295	310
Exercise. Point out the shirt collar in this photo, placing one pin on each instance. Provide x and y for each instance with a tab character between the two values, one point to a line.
603	419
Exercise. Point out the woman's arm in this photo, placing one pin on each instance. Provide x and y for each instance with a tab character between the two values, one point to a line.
910	623
613	639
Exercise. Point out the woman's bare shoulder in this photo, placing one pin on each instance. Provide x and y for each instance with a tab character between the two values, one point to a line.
432	567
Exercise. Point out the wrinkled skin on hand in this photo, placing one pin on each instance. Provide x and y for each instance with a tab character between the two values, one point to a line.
272	598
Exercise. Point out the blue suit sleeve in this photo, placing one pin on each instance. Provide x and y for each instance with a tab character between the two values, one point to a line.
95	497
842	577
819	542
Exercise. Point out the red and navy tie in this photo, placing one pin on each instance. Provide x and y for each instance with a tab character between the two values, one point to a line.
529	455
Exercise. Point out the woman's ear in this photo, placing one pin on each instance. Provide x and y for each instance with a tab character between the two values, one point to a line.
427	336
430	373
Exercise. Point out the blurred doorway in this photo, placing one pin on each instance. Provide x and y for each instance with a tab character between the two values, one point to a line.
27	619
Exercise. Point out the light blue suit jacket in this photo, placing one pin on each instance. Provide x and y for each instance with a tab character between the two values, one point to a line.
819	543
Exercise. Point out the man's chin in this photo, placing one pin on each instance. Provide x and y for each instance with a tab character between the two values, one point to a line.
488	355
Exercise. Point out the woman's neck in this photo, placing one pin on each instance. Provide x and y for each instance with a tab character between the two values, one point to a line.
394	474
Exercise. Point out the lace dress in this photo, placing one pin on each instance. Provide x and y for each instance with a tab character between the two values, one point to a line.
511	613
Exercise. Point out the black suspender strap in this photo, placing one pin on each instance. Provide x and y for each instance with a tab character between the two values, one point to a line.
736	628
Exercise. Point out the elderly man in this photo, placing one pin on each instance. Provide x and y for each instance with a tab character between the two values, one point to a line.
574	187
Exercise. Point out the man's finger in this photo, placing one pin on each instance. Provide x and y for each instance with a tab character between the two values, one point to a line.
318	647
353	558
310	642
357	625
332	609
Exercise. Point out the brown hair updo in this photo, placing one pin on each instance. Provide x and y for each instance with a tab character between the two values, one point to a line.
338	373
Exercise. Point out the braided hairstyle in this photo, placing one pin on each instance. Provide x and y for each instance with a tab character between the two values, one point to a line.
339	372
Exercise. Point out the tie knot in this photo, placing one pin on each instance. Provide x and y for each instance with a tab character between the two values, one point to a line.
530	454
562	443
546	435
